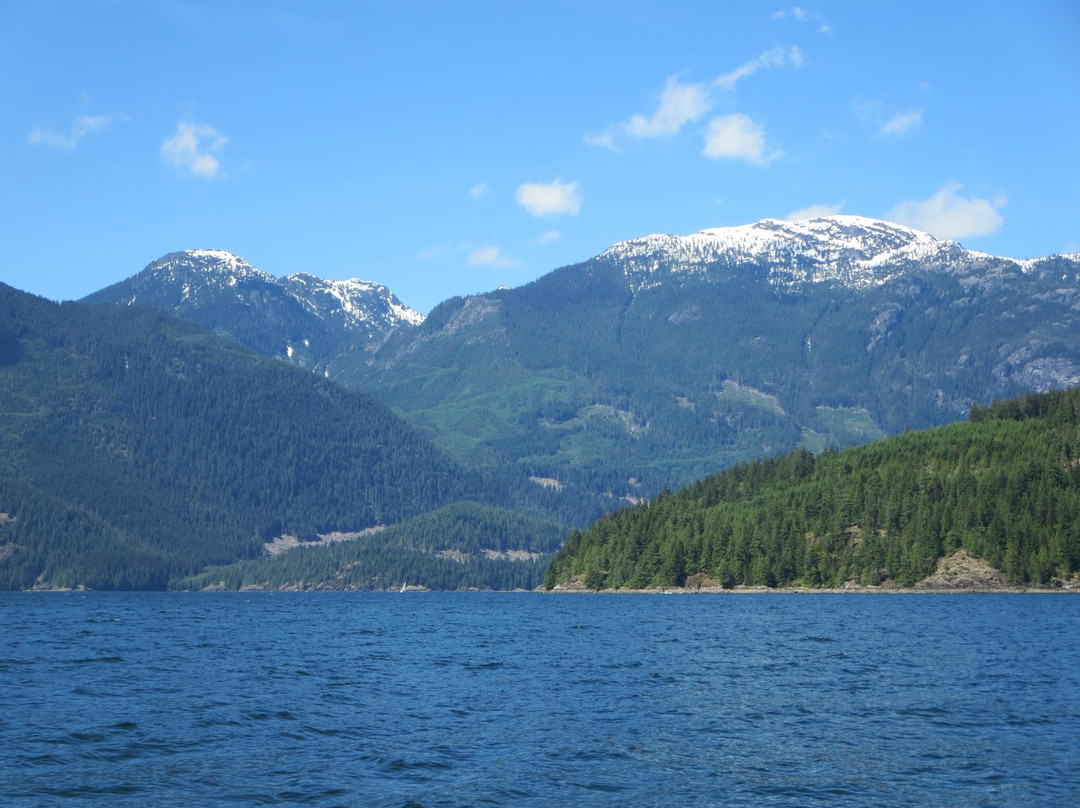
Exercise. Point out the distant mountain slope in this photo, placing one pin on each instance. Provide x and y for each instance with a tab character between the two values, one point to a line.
135	448
1004	488
299	317
668	357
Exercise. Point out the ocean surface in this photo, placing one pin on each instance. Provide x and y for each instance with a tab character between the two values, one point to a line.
484	699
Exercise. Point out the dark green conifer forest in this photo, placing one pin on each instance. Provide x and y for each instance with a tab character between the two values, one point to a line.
136	448
1004	486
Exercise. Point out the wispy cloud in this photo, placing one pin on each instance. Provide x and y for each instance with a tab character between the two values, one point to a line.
478	190
902	124
772	58
192	149
80	128
492	257
871	112
948	215
801	14
549	199
737	137
434	251
814	212
868	111
549	236
605	139
681	103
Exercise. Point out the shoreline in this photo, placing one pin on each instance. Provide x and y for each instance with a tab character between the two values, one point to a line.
564	591
799	590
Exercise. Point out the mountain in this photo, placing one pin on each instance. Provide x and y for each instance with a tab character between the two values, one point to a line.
846	251
136	449
299	317
666	358
1001	492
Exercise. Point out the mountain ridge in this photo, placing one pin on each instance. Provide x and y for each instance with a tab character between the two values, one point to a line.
667	356
299	316
853	251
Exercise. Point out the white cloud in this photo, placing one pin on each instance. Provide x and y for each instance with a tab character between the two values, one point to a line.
549	199
679	104
549	236
738	138
814	212
191	150
490	256
902	124
80	128
798	13
950	216
478	190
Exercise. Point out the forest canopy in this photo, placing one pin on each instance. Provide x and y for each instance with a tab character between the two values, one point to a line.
1005	487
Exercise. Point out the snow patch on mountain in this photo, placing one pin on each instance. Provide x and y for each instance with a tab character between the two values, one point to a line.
209	264
852	251
358	303
196	275
355	303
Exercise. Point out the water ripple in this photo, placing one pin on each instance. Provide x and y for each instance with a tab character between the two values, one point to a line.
493	700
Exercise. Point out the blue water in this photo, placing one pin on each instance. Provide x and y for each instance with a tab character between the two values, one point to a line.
520	699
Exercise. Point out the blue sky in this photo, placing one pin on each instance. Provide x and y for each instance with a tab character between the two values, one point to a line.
449	148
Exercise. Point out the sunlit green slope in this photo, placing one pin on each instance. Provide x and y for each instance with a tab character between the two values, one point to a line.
1005	487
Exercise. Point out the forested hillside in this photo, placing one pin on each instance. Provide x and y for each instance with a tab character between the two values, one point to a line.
1005	487
135	448
461	546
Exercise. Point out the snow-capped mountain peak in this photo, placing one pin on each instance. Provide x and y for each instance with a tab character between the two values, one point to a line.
189	276
300	317
853	251
223	265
